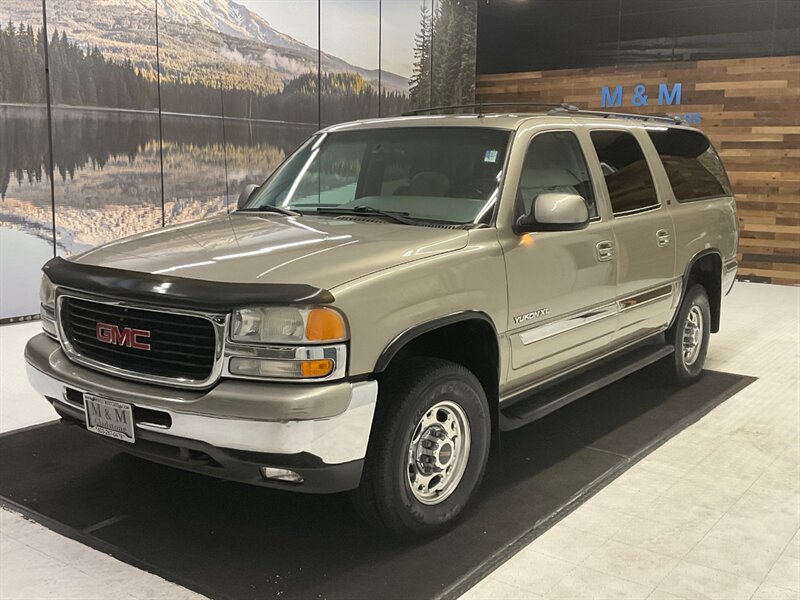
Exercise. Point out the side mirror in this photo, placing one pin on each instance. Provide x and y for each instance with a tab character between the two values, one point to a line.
555	212
245	194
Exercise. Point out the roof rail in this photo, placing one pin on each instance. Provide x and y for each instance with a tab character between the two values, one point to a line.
663	118
482	105
556	108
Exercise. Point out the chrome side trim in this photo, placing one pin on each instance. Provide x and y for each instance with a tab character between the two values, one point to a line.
638	211
548	330
643	298
553	328
218	321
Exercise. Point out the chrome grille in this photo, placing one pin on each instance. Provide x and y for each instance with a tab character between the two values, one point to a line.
181	346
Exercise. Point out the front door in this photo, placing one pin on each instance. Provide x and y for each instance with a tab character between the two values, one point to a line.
561	285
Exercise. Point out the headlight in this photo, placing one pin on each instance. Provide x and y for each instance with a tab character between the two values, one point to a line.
47	293
287	343
47	309
287	325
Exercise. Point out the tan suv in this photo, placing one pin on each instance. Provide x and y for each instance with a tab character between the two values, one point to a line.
397	293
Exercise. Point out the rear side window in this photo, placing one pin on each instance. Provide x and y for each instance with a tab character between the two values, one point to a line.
628	178
693	167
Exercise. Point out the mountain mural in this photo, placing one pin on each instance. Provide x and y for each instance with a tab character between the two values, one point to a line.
200	41
236	97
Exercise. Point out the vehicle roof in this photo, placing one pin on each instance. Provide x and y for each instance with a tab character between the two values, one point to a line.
510	121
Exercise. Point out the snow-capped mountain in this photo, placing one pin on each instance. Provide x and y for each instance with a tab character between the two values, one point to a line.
226	17
234	20
202	39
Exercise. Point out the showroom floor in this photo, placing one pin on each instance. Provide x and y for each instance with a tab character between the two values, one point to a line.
713	513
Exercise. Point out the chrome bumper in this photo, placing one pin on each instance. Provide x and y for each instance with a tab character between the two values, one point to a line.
329	422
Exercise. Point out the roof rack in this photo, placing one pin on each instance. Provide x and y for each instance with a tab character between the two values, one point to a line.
482	105
555	108
663	118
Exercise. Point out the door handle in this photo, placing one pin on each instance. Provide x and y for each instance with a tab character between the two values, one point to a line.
605	251
662	237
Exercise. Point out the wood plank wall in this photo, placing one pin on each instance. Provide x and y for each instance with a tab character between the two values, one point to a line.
750	109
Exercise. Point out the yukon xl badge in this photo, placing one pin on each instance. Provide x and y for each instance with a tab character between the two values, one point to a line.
535	314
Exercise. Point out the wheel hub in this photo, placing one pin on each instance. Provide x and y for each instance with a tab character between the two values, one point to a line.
445	454
438	452
692	339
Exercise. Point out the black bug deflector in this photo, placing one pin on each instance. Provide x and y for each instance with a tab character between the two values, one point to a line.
179	292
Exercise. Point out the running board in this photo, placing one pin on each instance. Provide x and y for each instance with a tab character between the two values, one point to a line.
537	405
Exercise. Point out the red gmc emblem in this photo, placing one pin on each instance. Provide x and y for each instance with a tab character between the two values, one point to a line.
125	336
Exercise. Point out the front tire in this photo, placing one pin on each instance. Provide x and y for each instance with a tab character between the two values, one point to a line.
428	450
690	334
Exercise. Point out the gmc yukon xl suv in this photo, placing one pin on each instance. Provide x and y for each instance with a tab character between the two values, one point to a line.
394	296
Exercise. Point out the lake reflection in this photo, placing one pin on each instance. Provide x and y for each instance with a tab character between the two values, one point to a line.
107	166
108	175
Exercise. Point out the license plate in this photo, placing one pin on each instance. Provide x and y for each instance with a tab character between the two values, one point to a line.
109	418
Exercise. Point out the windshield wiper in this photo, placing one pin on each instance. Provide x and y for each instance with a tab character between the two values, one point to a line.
396	216
269	208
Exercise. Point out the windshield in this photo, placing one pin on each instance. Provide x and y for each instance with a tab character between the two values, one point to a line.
428	174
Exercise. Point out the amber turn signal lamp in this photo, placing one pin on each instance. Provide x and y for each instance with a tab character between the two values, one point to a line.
316	368
325	325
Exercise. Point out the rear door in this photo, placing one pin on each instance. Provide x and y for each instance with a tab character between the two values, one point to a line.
644	234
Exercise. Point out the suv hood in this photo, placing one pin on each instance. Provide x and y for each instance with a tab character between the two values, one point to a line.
268	248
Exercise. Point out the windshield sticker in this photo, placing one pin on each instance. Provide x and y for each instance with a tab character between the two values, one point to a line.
490	156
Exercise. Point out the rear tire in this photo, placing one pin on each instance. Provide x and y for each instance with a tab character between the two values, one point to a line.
690	335
428	449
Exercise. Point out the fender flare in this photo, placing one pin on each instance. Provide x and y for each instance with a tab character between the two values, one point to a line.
402	339
687	272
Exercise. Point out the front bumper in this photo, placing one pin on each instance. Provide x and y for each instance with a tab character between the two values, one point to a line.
231	430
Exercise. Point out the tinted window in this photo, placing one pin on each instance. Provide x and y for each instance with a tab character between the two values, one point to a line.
554	164
628	179
693	167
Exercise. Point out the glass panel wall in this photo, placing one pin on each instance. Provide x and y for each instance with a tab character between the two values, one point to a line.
192	107
266	118
162	110
26	217
105	133
350	59
454	31
401	53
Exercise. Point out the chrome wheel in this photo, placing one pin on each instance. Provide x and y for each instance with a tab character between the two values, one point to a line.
438	452
692	339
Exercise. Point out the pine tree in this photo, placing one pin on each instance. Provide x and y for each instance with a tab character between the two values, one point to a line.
441	37
469	40
420	87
